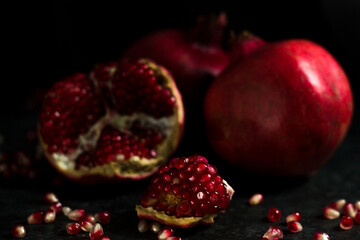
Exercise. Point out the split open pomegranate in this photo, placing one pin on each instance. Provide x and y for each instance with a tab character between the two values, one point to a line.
122	121
186	192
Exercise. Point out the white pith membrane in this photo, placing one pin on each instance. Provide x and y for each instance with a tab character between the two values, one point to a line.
135	166
183	222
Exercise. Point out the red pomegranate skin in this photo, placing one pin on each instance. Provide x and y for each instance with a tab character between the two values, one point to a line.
281	111
191	63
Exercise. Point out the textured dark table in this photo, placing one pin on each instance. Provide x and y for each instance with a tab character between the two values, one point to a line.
339	178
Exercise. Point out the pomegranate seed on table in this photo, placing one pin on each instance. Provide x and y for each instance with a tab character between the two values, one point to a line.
273	233
103	217
49	216
142	226
73	228
155	227
357	205
338	205
274	214
18	231
76	214
321	236
86	222
56	206
330	213
174	238
96	232
256	199
50	197
165	233
357	217
36	217
346	222
349	210
294	226
295	216
66	210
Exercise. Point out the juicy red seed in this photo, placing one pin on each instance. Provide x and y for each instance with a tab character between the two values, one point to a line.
357	205
273	233
57	207
294	226
103	217
357	217
349	210
295	216
96	232
321	236
49	216
36	217
86	222
73	228
165	233
330	213
174	238
18	231
66	210
346	222
76	214
274	214
142	226
50	197
256	199
104	238
338	205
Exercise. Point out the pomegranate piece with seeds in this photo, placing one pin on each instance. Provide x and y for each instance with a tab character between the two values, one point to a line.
186	192
122	121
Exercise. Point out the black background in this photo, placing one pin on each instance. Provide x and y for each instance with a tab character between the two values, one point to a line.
44	43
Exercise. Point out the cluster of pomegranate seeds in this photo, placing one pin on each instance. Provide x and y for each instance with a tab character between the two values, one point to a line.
187	187
274	214
140	90
70	108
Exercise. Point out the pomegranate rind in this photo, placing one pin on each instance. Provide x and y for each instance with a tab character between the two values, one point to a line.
184	222
135	168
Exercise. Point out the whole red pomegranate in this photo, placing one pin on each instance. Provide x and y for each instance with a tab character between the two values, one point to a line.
281	110
122	121
190	56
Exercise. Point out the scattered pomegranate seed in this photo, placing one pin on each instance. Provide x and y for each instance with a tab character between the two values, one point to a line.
73	228
357	205
295	216
165	233
294	226
50	197
357	217
36	217
103	217
274	214
66	210
174	238
346	222
349	210
256	199
76	214
86	222
96	232
50	215
142	226
155	227
330	213
18	231
104	238
321	236
273	233
338	205
57	207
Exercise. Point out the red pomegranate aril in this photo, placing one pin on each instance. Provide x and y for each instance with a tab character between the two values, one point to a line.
174	238
73	228
96	232
18	231
104	238
57	207
76	214
66	210
50	197
274	214
294	226
36	217
357	205
346	222
103	217
295	216
349	210
142	226
273	233
165	233
357	217
49	216
338	205
155	227
86	222
321	236
256	199
330	213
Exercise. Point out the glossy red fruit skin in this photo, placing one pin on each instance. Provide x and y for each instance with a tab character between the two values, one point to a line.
282	111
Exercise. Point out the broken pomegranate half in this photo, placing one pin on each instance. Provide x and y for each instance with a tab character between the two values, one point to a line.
122	121
186	192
